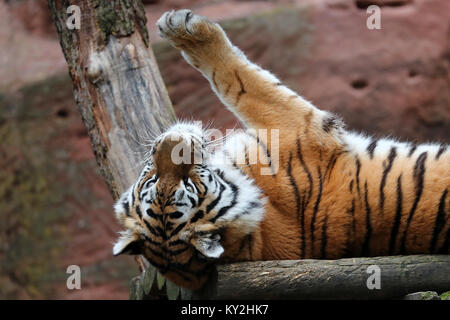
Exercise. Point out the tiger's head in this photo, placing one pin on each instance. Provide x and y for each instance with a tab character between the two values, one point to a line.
185	210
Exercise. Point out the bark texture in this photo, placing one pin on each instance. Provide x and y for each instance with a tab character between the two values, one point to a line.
116	82
330	279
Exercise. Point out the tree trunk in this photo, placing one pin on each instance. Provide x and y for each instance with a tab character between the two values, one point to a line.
330	279
117	86
116	82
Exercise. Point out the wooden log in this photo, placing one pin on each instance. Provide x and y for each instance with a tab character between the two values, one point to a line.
330	279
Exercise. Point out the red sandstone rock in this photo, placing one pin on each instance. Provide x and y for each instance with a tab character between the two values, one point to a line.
34	15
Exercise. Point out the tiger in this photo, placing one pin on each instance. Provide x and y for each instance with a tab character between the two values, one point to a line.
322	191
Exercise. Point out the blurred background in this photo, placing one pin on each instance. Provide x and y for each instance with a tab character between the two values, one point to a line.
55	209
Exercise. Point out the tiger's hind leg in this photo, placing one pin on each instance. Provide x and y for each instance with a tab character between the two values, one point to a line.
256	96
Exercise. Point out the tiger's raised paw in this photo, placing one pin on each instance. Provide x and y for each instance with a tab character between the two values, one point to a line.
185	30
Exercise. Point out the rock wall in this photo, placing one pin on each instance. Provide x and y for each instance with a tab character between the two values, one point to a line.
55	208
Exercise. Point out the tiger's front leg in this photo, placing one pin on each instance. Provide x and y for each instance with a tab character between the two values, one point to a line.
256	96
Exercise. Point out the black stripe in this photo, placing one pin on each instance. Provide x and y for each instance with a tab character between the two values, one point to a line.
176	242
168	226
351	211
205	191
413	148
265	148
200	201
242	89
138	211
161	232
175	215
214	78
195	187
330	122
126	207
177	251
254	204
316	208
192	201
245	240
297	202
323	248
156	243
442	148
365	252
213	203
306	202
439	222
419	172
146	183
167	251
177	229
227	90
224	210
153	215
387	168
172	194
350	232
398	216
371	147
151	229
331	164
358	170
197	216
247	160
181	204
156	253
350	187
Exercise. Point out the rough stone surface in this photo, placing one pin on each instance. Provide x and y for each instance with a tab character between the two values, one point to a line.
55	208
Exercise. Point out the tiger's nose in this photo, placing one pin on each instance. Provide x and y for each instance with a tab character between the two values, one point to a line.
173	158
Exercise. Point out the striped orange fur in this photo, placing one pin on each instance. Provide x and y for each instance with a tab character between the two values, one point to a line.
334	194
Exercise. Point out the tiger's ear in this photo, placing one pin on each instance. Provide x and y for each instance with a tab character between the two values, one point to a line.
208	244
127	243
